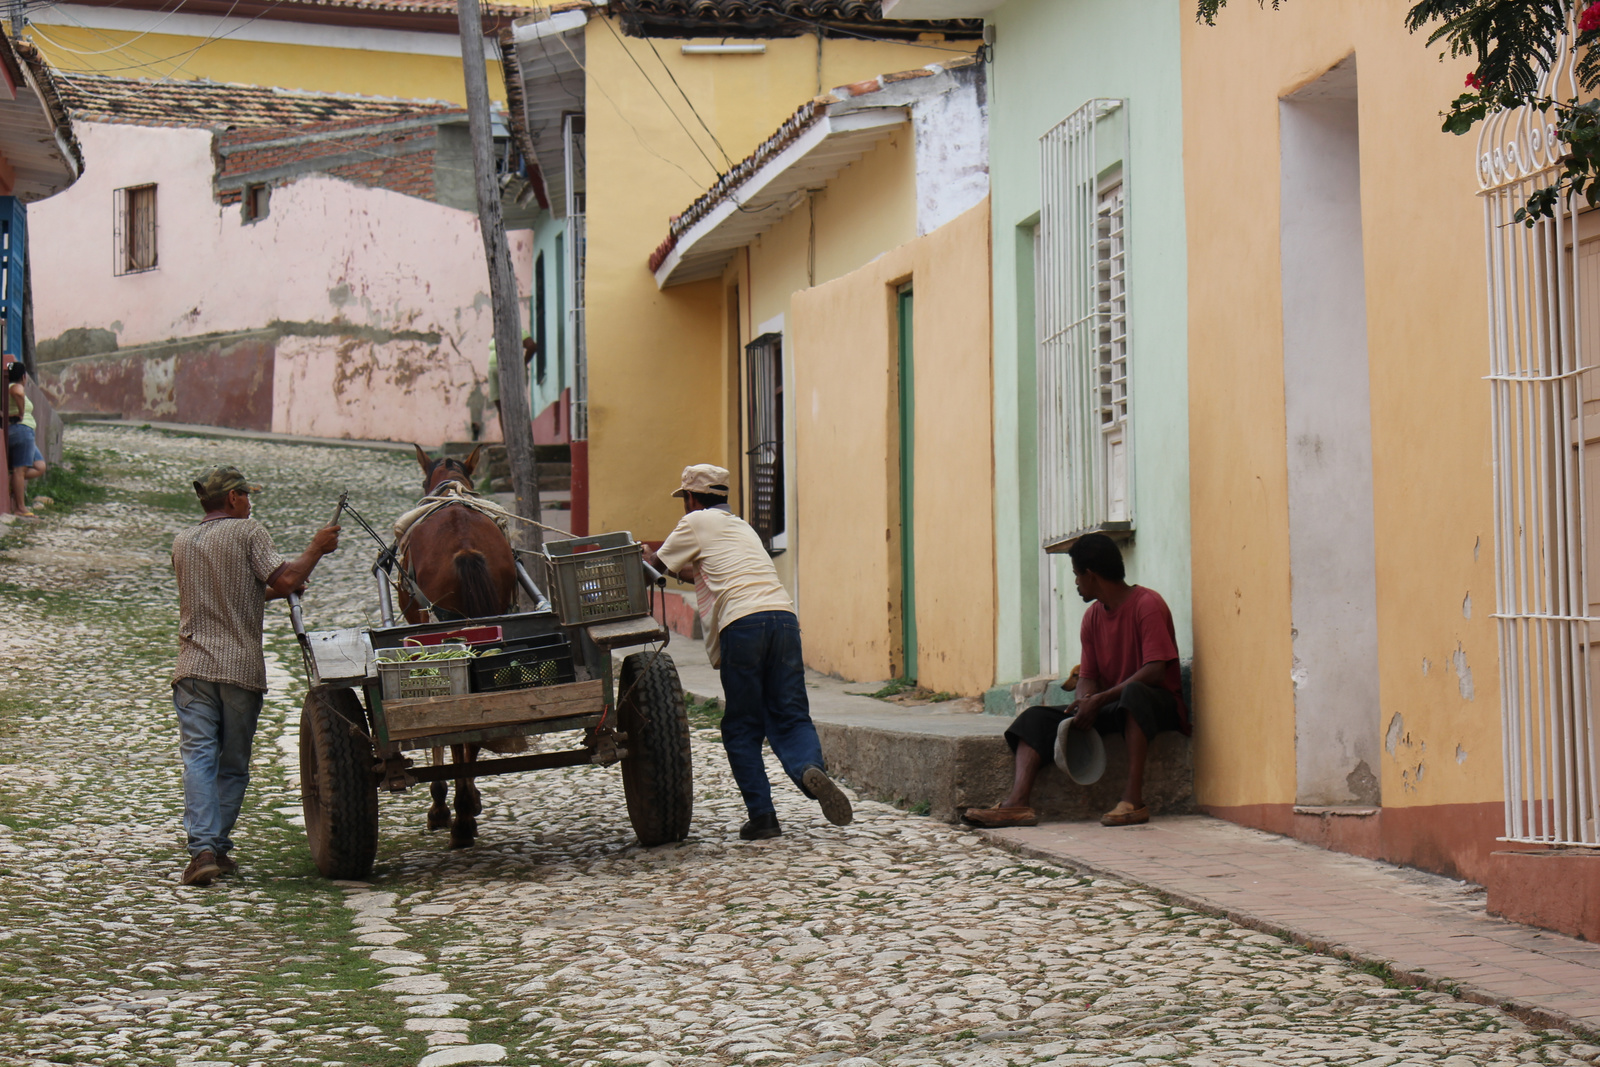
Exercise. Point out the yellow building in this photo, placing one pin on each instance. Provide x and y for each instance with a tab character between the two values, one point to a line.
637	109
1348	678
851	253
397	48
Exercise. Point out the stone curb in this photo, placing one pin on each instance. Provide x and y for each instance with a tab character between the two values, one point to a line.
1531	1014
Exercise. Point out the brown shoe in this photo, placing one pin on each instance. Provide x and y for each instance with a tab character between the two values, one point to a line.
1125	814
998	817
202	869
226	864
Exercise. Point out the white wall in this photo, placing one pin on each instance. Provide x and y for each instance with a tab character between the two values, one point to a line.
1329	439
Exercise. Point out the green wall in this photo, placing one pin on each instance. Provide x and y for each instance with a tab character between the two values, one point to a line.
1049	58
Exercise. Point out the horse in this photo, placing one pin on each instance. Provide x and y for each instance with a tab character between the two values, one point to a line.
462	565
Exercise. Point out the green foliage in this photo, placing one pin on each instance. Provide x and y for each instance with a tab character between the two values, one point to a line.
706	715
1512	43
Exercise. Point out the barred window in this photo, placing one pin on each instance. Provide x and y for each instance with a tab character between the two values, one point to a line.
134	245
1085	447
764	356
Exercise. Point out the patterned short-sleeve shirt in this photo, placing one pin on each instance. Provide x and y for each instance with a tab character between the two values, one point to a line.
223	566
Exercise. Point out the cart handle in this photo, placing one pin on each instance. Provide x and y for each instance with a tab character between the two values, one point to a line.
655	576
294	615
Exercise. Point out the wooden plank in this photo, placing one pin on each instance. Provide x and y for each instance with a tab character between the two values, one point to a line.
413	718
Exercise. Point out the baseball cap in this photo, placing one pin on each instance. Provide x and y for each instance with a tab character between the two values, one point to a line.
705	478
219	480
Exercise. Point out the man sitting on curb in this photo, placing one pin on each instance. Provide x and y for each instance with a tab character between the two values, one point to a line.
1128	641
753	638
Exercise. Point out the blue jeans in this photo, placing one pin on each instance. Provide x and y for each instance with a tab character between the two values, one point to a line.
764	697
216	725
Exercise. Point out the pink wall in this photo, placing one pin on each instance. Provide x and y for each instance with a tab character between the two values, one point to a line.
380	300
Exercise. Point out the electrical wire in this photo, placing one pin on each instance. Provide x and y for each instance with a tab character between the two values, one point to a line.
686	100
187	53
651	82
623	115
176	7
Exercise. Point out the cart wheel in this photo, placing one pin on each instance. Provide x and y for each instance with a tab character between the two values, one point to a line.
657	774
338	789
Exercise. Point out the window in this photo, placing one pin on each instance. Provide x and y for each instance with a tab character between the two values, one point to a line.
134	229
764	359
1080	279
1544	326
577	253
540	334
256	201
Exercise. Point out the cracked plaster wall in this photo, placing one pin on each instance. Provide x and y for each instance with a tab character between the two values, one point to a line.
378	301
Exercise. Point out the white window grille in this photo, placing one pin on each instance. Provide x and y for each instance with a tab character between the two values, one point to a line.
1544	321
1085	448
577	251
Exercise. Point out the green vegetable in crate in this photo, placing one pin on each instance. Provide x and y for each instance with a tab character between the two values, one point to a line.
449	653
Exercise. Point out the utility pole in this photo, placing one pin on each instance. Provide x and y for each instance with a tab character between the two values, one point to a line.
516	425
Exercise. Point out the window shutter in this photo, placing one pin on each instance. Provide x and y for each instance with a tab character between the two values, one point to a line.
765	360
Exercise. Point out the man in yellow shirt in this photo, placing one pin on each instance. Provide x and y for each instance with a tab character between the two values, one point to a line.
753	639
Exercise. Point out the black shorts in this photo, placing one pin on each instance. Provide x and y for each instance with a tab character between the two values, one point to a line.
1154	711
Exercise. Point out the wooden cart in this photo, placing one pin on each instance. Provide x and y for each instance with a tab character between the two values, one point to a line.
354	743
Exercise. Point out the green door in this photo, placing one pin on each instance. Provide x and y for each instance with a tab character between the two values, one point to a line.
908	556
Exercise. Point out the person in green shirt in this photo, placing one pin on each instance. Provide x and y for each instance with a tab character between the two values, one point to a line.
22	450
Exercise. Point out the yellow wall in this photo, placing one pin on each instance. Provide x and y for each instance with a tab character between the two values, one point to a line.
844	338
658	360
126	54
1427	347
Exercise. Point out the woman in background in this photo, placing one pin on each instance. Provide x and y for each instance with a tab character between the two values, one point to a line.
22	451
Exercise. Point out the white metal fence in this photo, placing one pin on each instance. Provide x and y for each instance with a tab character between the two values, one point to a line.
1085	468
1544	322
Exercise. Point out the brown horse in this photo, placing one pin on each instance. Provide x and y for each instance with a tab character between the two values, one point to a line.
461	562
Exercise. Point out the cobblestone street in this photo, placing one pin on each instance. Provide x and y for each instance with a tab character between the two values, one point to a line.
556	940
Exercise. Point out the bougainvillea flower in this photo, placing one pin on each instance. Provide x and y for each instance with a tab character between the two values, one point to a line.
1590	19
1472	79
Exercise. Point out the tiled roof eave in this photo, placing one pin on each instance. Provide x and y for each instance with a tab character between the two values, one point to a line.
730	185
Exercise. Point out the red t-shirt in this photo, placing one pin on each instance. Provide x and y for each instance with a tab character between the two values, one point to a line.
1116	644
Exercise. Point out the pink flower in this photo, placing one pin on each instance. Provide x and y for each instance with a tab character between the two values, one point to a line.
1472	79
1590	19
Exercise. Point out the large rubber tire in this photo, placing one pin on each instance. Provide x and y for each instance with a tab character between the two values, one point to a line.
338	788
657	772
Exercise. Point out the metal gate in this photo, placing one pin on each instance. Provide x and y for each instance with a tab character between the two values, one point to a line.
1544	327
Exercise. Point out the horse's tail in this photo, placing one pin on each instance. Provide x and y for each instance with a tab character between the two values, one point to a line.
473	588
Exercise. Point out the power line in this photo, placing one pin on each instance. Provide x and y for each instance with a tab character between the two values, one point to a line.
676	117
686	100
623	116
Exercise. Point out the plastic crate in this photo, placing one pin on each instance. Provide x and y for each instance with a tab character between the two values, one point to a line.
418	679
595	579
472	635
524	663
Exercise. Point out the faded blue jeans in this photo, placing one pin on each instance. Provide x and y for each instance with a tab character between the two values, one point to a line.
216	725
764	697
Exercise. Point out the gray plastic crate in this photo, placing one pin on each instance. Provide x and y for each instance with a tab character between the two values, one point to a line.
417	679
595	579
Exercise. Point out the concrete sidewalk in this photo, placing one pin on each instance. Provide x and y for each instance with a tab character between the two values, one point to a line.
1430	931
944	758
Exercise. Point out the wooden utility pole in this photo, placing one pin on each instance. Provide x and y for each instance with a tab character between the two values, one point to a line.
516	424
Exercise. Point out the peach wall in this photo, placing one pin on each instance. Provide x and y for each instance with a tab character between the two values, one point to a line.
379	300
844	338
1422	231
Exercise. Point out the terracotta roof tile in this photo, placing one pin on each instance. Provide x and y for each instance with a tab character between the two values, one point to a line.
777	18
803	119
205	104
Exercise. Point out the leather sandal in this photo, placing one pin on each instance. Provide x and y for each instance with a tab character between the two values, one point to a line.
994	818
1125	814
